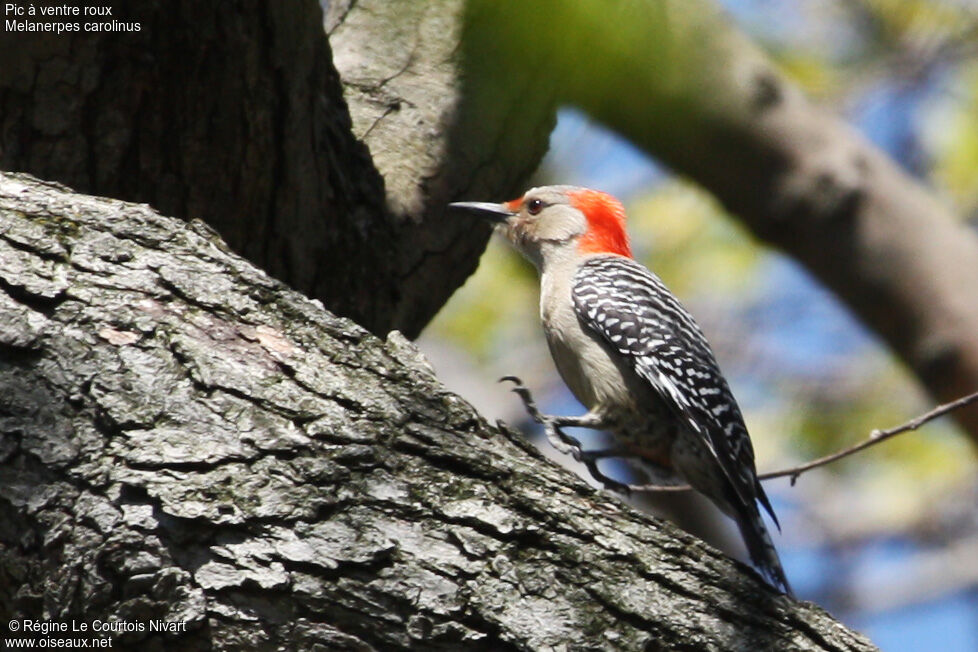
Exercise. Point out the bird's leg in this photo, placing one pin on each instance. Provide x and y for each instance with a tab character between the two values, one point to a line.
560	440
590	461
567	444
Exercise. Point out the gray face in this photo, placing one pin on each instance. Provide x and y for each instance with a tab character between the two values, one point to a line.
544	220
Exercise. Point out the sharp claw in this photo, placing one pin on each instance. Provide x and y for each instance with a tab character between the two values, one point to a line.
604	453
590	461
563	442
524	394
606	482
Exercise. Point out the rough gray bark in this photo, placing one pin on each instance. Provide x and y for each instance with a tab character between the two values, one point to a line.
233	113
434	134
182	437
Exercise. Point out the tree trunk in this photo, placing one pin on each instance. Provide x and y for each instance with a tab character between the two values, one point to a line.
233	113
185	439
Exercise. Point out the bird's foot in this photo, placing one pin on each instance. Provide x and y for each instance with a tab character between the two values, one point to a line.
590	461
560	440
567	444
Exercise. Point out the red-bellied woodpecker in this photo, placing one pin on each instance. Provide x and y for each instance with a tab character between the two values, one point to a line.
634	357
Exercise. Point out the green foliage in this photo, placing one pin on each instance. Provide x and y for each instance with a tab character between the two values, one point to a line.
684	235
953	127
496	307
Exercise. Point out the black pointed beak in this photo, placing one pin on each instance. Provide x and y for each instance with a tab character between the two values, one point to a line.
495	213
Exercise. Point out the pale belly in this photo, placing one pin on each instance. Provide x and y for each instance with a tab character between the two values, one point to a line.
635	416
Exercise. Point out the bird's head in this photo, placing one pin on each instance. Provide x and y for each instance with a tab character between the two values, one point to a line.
558	221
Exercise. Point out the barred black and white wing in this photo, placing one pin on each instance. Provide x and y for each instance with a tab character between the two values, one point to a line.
639	318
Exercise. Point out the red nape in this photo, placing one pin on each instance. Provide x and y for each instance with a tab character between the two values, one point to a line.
605	215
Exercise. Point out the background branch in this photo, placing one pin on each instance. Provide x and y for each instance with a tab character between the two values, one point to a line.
875	437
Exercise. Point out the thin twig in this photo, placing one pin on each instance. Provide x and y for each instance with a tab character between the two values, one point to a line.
874	438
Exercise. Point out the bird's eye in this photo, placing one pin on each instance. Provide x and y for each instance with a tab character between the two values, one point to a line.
534	206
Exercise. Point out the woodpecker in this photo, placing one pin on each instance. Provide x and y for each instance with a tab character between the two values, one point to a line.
634	357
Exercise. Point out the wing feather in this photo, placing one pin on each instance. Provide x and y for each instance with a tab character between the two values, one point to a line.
637	316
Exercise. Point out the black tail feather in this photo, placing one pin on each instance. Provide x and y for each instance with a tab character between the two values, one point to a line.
761	496
760	547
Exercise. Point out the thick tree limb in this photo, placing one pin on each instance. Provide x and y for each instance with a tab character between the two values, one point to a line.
228	113
182	437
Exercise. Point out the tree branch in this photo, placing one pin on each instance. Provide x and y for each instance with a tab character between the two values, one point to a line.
875	437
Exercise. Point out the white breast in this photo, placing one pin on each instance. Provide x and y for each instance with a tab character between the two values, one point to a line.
582	359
